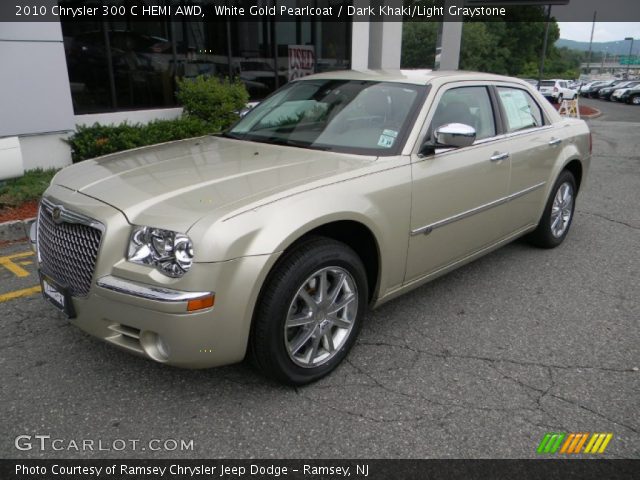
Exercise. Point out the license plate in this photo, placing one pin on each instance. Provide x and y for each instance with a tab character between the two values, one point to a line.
57	295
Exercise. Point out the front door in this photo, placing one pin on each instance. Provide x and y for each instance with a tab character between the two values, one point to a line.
457	193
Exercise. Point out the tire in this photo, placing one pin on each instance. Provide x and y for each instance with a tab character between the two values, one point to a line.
635	100
295	338
550	233
559	99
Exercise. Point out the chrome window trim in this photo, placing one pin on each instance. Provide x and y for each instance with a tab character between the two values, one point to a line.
502	136
149	292
427	229
436	93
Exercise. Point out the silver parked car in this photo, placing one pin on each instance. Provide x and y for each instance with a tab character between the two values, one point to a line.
339	192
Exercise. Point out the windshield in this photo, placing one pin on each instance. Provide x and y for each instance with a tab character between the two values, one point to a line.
349	116
548	83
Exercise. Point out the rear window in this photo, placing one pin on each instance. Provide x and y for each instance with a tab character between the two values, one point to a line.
547	83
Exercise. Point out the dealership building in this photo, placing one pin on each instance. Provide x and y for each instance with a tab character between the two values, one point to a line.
56	75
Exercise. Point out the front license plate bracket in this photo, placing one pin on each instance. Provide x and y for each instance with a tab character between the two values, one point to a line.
57	295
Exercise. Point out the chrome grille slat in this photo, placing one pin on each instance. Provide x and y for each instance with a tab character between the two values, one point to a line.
67	251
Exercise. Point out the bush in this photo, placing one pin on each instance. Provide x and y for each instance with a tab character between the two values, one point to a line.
210	105
96	140
30	186
212	100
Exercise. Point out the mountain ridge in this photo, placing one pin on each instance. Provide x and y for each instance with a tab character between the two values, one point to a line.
619	47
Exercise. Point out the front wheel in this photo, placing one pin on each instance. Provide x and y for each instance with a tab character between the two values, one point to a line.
558	213
635	100
310	312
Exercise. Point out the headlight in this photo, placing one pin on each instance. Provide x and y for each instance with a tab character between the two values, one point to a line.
170	252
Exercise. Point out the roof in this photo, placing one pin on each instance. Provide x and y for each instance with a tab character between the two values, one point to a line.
416	77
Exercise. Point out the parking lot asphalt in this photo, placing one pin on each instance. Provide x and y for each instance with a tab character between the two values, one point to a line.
613	111
480	363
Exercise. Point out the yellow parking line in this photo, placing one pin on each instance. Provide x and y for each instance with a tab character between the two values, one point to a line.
8	263
25	292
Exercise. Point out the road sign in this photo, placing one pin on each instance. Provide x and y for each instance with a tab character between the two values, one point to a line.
626	60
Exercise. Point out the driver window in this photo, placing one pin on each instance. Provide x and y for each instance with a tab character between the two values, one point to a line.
468	105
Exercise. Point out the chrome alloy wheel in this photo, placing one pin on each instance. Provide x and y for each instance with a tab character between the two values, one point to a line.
561	210
321	317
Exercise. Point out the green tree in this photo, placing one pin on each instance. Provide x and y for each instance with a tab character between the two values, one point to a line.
505	47
418	44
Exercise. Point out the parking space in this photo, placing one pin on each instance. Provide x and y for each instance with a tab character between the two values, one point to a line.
18	274
480	363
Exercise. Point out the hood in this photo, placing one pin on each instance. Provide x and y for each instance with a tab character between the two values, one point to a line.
172	185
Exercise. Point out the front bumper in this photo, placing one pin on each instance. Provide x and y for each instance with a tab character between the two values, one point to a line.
138	309
163	330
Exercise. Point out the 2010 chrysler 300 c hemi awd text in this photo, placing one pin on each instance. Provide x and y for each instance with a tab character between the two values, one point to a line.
337	193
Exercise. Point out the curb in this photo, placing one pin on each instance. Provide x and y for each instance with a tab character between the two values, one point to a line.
593	115
15	230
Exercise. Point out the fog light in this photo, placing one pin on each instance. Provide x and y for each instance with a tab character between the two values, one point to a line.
154	346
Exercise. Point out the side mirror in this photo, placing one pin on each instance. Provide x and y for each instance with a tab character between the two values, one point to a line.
456	135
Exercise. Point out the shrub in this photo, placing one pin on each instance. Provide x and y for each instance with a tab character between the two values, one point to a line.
210	105
30	186
212	100
96	140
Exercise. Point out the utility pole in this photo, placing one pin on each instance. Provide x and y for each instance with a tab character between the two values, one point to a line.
544	46
629	58
593	26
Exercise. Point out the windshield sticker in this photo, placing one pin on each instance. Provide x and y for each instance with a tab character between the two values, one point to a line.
390	133
385	141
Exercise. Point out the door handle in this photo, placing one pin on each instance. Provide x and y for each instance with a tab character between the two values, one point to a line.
496	157
555	141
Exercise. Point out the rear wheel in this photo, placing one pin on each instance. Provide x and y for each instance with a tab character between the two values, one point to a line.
558	213
559	100
310	312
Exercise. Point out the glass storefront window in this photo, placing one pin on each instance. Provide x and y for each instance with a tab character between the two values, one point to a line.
127	65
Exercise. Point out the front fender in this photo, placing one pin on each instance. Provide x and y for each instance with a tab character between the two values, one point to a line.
381	201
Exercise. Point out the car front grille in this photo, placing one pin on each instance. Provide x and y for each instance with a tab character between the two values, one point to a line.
68	247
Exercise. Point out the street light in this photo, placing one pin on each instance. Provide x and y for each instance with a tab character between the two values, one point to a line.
629	59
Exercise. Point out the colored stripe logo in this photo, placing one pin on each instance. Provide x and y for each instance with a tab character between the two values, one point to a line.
572	443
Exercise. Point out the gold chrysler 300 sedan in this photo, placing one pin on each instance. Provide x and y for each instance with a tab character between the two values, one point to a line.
340	191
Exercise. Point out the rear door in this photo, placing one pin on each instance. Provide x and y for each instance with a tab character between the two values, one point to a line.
534	146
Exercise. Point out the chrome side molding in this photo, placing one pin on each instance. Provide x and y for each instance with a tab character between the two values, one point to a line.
427	229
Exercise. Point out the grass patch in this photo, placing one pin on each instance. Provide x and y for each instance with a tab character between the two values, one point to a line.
30	186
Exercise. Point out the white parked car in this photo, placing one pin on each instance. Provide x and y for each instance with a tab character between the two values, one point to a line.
557	90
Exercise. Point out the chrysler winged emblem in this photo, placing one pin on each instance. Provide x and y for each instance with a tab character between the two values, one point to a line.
56	214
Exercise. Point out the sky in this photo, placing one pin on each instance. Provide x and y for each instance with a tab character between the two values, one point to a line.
604	31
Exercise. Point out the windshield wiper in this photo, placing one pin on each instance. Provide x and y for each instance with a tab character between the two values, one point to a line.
274	140
228	135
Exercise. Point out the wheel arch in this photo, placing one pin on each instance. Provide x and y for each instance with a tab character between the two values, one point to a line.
361	240
575	167
355	234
